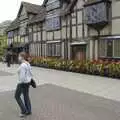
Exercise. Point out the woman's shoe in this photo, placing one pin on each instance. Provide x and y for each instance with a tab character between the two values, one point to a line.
22	115
28	113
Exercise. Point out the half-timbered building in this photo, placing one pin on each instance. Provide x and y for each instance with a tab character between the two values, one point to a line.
70	29
58	31
18	30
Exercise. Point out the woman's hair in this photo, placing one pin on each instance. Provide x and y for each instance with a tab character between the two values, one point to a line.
23	55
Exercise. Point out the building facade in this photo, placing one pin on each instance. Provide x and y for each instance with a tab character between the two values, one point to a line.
18	30
71	29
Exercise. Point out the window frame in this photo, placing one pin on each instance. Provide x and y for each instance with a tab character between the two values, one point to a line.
106	48
52	49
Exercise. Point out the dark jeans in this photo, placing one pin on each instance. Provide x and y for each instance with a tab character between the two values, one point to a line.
8	64
24	104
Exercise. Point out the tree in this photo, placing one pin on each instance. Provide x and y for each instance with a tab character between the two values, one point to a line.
3	44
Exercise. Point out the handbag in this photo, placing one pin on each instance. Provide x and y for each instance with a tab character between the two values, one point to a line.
33	83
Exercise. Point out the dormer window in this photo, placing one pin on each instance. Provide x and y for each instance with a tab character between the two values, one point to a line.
98	13
53	22
53	15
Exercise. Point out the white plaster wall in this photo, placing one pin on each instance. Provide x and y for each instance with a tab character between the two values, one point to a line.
91	49
73	14
115	8
80	4
116	26
106	30
69	52
19	38
49	35
34	36
22	40
63	33
39	36
23	11
79	31
74	32
63	22
85	30
35	28
15	39
79	18
30	29
96	49
57	34
26	39
44	35
62	50
92	32
68	32
73	21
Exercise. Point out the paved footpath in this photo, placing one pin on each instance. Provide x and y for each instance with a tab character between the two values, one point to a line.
62	96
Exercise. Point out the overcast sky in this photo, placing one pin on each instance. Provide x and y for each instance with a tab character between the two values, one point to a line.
9	8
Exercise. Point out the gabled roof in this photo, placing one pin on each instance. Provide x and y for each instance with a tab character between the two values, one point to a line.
14	25
45	1
30	8
40	17
40	12
69	8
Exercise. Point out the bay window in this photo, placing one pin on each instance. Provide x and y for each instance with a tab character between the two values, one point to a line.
109	48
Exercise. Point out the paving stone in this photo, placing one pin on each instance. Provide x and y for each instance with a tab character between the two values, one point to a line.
2	73
50	102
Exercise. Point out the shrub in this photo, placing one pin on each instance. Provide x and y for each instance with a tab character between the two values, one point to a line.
102	68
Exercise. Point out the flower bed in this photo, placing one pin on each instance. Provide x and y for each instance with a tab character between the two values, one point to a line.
100	67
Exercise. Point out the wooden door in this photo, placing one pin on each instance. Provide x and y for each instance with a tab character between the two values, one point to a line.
79	52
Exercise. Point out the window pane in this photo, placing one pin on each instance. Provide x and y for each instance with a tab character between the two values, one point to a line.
39	36
30	36
39	49
109	48
58	50
117	48
102	48
53	23
43	49
34	37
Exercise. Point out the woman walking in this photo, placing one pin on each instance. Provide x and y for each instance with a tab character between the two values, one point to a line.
25	76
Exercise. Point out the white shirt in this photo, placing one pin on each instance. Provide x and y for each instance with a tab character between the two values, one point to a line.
25	72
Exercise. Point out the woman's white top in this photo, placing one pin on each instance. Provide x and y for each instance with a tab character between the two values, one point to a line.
25	73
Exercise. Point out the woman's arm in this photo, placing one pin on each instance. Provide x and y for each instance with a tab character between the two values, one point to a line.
22	73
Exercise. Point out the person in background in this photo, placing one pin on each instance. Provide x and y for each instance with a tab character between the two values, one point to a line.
8	58
25	76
